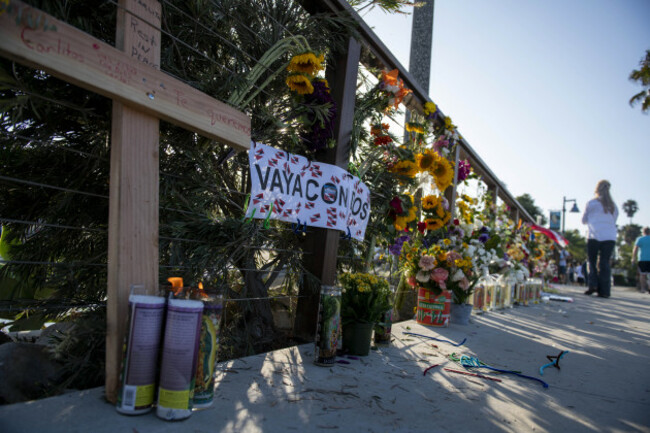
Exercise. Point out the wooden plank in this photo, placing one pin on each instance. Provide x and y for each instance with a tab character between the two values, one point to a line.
322	244
32	37
134	187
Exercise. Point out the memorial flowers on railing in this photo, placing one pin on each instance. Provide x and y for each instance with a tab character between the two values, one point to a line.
379	132
320	126
442	172
317	108
393	89
302	70
402	212
435	210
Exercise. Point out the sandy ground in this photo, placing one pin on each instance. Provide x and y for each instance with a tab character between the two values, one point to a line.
603	384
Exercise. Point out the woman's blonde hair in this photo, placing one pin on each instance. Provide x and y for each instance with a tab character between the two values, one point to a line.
602	193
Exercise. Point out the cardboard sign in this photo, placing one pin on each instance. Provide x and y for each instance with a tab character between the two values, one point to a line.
297	190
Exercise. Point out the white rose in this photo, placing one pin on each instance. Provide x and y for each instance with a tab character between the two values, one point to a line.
458	275
423	276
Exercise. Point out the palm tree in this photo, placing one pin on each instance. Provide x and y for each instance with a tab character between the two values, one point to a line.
630	207
642	75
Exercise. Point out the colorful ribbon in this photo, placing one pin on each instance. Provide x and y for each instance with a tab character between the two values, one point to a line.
437	339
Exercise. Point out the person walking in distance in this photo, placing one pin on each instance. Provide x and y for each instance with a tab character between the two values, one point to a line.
643	244
600	216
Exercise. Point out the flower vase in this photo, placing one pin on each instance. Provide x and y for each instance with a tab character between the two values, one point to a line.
460	314
383	328
433	310
356	338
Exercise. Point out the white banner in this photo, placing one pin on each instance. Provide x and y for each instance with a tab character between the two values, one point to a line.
304	192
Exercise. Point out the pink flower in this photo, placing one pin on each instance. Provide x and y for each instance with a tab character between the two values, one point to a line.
427	262
439	144
452	256
440	275
464	284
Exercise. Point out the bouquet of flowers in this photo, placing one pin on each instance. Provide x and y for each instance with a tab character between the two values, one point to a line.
402	211
454	262
365	298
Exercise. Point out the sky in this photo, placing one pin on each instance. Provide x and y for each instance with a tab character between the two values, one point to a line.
540	90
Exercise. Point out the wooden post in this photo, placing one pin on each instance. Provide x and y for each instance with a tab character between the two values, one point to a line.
133	206
322	244
451	194
129	75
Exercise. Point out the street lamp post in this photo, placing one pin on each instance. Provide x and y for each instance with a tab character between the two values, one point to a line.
574	209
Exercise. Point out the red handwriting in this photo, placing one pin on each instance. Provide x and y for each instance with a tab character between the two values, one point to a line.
57	46
116	68
226	120
181	99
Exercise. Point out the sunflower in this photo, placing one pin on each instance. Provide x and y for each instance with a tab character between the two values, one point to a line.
433	223
307	63
425	160
300	83
405	168
430	202
442	173
414	127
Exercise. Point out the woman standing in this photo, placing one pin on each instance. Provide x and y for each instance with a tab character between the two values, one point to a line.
600	216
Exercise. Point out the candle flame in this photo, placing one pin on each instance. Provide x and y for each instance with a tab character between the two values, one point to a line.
177	284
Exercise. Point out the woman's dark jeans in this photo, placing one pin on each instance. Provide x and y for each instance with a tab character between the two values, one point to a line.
600	271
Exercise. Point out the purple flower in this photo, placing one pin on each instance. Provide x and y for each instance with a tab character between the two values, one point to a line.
320	133
396	248
464	169
484	237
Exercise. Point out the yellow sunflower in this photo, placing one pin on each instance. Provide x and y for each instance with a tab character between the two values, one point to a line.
414	127
300	83
430	202
442	173
405	168
434	224
307	63
426	160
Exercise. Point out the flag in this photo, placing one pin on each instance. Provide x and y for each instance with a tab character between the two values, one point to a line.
551	234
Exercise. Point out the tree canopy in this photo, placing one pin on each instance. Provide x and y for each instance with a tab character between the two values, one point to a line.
528	203
642	77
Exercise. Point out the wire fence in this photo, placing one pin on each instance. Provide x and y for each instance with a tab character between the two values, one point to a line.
55	175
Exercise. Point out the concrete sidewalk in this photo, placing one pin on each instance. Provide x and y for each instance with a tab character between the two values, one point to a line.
603	384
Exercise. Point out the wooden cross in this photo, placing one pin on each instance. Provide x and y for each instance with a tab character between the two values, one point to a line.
142	94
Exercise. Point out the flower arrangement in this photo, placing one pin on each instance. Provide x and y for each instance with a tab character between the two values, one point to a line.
435	210
454	262
393	88
379	132
303	68
320	128
364	298
402	211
